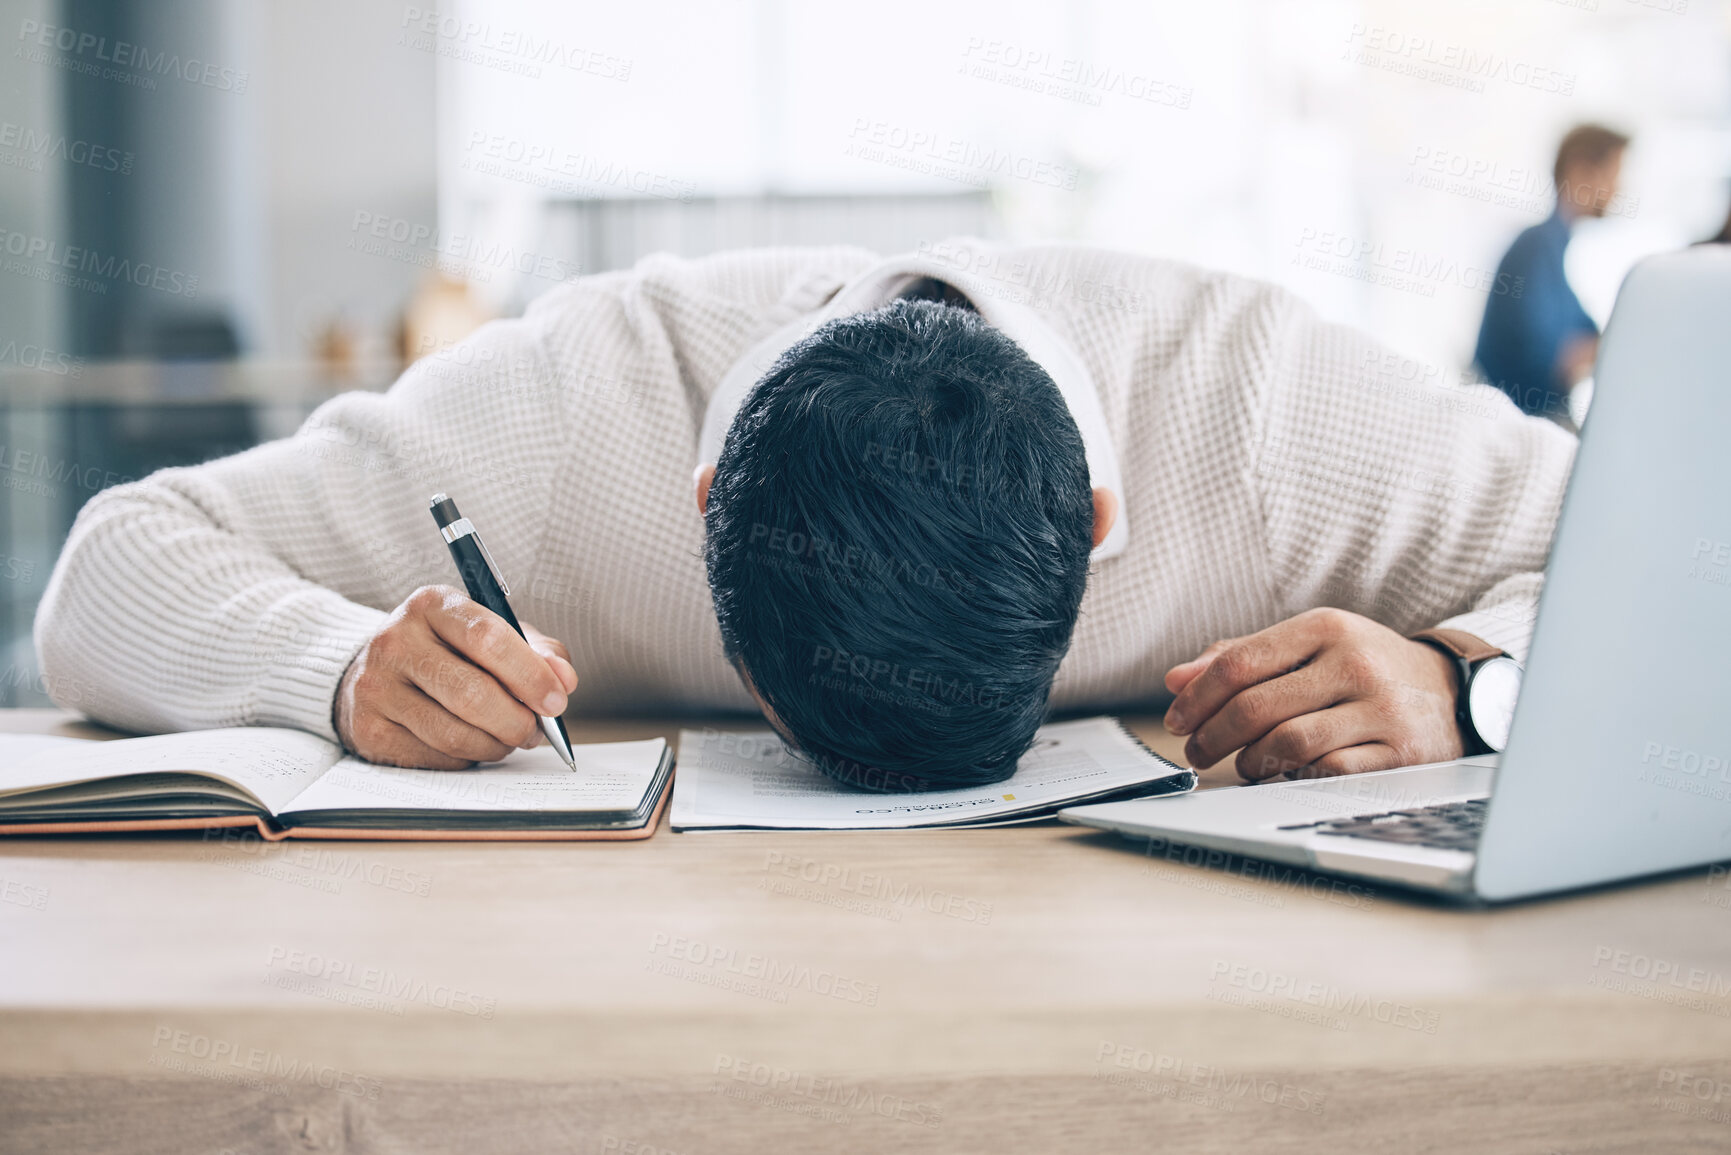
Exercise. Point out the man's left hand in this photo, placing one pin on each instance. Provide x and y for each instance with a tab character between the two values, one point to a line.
1327	692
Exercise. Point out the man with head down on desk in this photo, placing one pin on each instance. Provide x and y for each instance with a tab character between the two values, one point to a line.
905	507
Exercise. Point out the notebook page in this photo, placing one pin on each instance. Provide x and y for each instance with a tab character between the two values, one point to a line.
609	776
752	780
272	765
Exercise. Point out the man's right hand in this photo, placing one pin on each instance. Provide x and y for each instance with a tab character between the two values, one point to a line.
443	683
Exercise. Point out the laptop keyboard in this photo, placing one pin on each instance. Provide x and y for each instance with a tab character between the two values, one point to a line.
1446	826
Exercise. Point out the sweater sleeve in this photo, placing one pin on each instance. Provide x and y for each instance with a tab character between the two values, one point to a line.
1392	488
236	592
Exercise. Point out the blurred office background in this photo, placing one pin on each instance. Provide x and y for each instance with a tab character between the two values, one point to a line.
216	213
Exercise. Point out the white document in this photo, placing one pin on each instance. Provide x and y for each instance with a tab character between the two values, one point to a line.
609	776
752	781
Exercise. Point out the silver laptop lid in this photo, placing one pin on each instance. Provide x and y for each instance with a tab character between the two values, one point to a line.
1619	763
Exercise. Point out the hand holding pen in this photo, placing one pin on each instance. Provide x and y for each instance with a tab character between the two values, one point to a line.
444	682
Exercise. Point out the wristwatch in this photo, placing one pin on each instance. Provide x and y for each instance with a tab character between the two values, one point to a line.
1489	682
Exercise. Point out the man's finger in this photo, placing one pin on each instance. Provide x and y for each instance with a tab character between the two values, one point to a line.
1180	675
1257	658
1255	712
1296	745
557	653
485	638
1361	759
442	730
402	748
561	667
475	696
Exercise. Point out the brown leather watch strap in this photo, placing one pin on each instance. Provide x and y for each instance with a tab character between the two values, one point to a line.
1467	647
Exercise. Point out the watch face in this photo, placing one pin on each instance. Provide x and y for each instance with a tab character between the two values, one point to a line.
1491	700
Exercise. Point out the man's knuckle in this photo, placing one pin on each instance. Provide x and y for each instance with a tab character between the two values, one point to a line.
466	690
386	644
1301	738
368	728
1249	712
426	598
1234	666
490	636
1390	710
1362	670
1331	764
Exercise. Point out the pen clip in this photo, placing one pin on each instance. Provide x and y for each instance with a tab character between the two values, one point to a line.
463	527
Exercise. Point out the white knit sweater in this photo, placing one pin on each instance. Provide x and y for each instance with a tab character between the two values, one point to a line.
1270	463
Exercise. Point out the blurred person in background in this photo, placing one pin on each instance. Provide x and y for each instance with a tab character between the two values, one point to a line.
1537	344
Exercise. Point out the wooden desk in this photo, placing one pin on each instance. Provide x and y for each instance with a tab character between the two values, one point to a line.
1038	989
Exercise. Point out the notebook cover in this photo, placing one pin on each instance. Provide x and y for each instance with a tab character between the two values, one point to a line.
134	825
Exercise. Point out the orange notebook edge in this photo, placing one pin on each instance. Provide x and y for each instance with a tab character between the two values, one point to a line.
142	825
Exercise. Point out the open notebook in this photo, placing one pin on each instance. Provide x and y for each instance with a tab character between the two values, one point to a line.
295	785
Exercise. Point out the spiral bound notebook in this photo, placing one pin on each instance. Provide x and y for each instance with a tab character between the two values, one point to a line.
751	781
290	784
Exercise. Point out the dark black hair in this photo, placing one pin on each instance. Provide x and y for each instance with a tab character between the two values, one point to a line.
897	543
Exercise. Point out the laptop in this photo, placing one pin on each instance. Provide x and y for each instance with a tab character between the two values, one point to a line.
1618	762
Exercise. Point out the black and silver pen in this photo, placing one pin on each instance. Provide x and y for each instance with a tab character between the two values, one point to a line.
487	586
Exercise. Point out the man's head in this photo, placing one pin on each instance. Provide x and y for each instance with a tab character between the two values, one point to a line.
1588	167
898	534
